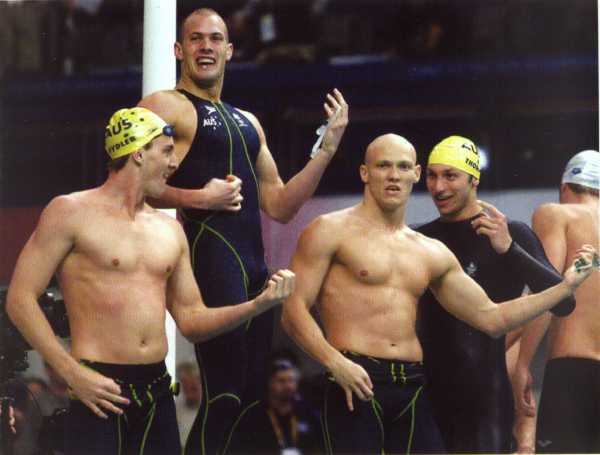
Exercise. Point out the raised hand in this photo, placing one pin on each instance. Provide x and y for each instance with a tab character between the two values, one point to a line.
223	194
586	260
336	109
493	224
280	287
96	391
353	379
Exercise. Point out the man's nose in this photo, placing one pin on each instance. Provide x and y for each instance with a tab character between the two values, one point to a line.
205	45
394	173
438	185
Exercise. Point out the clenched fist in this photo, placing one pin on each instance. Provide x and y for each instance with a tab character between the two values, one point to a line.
280	287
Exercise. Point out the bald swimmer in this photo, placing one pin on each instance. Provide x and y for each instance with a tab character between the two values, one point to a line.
365	269
121	265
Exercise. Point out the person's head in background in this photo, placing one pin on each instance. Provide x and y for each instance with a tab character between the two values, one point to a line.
282	387
581	178
452	178
191	384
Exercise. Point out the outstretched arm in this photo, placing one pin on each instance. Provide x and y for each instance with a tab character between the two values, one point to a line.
311	262
49	244
199	323
521	250
282	201
465	299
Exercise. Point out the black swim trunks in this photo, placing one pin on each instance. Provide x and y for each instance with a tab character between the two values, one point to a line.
397	420
147	427
569	413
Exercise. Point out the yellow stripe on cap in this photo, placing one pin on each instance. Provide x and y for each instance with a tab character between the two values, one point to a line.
458	152
129	130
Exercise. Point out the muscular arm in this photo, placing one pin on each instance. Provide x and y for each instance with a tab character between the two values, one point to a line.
282	201
199	323
49	244
311	262
217	194
527	257
520	251
45	249
465	299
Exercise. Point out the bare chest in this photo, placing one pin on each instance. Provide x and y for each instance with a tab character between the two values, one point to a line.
385	259
147	246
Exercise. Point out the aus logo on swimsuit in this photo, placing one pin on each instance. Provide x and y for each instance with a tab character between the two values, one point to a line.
471	269
211	120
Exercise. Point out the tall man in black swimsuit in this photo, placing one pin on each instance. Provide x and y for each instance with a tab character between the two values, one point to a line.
220	147
466	368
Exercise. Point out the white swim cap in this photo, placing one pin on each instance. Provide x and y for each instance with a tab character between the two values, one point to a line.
584	169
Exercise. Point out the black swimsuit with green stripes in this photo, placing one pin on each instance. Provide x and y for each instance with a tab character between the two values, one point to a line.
148	425
228	260
398	420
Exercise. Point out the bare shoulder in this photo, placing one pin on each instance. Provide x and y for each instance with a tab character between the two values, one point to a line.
67	206
162	97
326	231
254	120
550	212
160	216
431	244
64	215
434	252
167	223
553	216
171	105
248	114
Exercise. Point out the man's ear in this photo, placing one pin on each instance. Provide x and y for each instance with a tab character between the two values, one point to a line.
137	157
417	173
364	174
178	51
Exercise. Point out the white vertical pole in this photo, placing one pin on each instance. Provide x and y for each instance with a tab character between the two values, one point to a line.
159	73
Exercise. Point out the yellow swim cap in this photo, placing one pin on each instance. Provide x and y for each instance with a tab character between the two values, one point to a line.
458	152
129	130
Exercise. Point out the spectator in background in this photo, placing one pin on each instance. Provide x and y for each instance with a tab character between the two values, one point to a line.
102	34
273	32
281	424
188	402
428	29
39	402
29	35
